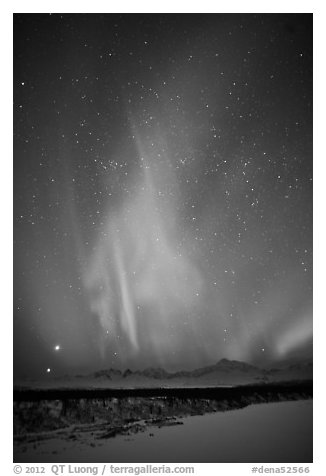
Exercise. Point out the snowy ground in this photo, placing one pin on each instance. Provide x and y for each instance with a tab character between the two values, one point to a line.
273	432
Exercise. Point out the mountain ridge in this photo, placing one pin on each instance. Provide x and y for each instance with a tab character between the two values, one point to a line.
160	373
223	373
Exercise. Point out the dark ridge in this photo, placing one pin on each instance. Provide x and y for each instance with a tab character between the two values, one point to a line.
216	393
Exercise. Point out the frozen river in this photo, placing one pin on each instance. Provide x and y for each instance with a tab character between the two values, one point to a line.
266	433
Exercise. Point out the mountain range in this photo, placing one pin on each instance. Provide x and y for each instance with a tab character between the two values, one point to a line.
223	373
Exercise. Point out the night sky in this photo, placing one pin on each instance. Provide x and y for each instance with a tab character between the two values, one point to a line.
162	190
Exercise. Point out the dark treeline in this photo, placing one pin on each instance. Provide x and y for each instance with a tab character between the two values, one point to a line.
304	388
